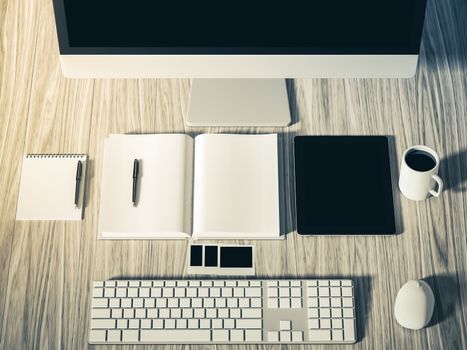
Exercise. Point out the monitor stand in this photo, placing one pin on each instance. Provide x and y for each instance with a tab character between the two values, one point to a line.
238	102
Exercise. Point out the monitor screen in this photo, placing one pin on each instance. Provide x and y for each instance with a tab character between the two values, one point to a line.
240	26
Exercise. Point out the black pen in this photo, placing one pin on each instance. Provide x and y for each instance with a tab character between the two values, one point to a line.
135	181
79	171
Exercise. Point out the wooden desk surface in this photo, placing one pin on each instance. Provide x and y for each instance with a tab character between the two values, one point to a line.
46	268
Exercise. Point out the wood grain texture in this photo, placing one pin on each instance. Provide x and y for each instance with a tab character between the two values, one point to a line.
46	268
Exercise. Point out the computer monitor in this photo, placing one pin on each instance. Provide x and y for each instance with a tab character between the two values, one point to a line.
253	39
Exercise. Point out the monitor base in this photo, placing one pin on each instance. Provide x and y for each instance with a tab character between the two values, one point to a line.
238	102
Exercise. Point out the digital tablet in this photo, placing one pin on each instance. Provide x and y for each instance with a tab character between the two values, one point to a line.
343	185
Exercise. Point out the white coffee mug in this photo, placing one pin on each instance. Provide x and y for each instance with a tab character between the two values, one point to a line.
418	175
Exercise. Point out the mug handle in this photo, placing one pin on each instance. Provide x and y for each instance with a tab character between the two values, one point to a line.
440	186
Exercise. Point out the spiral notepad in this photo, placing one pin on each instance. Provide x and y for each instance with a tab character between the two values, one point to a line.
47	187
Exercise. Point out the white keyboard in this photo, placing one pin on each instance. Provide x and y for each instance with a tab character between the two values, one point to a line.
222	311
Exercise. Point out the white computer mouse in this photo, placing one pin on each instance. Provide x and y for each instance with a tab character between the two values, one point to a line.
414	304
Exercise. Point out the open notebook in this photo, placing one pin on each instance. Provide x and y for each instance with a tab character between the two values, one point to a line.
213	186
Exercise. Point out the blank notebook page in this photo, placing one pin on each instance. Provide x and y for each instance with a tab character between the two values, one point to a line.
236	191
47	188
163	207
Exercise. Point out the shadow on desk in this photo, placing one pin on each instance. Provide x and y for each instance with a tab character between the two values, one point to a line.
446	289
453	171
362	291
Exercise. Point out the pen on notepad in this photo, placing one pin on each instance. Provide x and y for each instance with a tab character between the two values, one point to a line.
79	171
135	181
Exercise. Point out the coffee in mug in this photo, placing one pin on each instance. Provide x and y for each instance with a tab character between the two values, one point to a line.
419	173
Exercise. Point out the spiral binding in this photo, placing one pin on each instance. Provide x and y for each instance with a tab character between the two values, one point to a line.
55	155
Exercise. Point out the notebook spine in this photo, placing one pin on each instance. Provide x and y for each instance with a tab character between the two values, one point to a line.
55	155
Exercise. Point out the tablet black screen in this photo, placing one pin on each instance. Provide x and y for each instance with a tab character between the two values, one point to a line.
343	185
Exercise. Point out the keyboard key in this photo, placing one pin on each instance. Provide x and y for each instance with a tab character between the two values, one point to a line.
256	302
191	292
347	291
347	302
253	335
336	302
175	335
323	292
120	292
100	313
243	302
146	324
179	292
117	313
193	323
223	313
236	335
97	292
285	325
273	292
199	313
325	313
215	292
313	323
168	292
197	302
349	330
324	302
122	324
312	302
273	336
297	336
138	302
133	324
227	292
273	303
132	292
158	324
284	303
129	313
239	292
336	313
169	323
217	324
296	292
229	323
144	292
319	334
335	292
285	336
103	323
337	335
181	323
252	313
96	335
130	335
205	323
149	303
313	313
284	292
248	323
253	292
156	292
100	302
337	323
220	335
235	313
114	335
325	323
187	313
296	303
